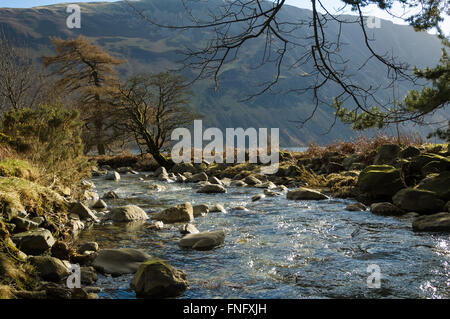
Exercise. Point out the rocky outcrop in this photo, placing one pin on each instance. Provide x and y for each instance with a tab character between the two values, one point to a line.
203	241
305	194
157	279
128	213
119	261
419	201
178	214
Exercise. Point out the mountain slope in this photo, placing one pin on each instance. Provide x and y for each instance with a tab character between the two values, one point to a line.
119	30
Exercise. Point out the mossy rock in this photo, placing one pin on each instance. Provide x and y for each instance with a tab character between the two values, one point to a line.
418	200
19	194
378	181
387	154
410	151
439	184
434	167
418	162
156	278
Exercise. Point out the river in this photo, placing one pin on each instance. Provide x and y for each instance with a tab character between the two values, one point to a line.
279	248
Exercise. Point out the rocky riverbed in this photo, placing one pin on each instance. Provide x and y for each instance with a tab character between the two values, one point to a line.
223	231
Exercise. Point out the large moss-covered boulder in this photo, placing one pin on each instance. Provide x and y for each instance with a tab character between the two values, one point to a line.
418	200
439	184
420	161
439	222
387	154
158	279
378	181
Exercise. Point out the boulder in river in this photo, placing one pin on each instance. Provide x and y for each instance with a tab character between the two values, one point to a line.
418	200
114	176
212	189
156	278
34	242
177	214
128	213
356	207
88	246
119	261
200	210
258	197
217	208
111	195
378	181
188	229
203	241
200	177
303	193
439	222
386	209
49	268
100	204
252	180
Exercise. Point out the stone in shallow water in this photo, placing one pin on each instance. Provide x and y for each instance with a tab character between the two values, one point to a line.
177	214
258	197
158	279
439	222
119	261
203	241
386	208
217	208
200	210
305	194
417	200
212	189
356	207
128	213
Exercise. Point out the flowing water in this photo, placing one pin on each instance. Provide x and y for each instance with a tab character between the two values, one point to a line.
279	248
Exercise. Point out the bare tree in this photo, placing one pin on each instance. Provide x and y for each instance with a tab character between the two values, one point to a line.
22	82
234	24
151	107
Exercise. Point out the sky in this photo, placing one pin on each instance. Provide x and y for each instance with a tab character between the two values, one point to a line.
334	4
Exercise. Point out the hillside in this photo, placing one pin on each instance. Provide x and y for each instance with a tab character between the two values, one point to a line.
118	29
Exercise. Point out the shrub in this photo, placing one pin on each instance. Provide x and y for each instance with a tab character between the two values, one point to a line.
50	137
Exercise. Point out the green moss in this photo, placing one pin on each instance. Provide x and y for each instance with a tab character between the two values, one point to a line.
18	193
439	184
12	167
379	181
